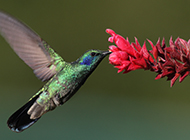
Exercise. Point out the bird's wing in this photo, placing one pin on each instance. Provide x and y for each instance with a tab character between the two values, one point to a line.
28	45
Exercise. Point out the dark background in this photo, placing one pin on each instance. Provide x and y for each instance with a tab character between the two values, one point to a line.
109	106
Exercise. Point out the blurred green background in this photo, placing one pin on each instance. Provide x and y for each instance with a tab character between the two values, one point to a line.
109	106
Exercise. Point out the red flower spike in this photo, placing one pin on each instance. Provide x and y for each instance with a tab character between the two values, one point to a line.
144	52
136	53
158	76
163	43
141	62
171	42
111	32
183	76
137	45
154	50
116	58
158	46
113	48
134	67
171	62
111	39
174	79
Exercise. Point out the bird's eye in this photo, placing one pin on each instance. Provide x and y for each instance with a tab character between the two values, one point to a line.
93	54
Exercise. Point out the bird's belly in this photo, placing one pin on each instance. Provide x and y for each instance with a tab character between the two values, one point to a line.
60	96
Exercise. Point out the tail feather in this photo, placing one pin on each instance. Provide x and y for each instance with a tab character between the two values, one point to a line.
20	120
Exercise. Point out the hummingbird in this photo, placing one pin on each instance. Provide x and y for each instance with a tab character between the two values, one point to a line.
63	79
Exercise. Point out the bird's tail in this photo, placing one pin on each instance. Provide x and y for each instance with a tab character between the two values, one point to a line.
20	120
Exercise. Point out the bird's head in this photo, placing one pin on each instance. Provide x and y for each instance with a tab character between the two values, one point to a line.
92	58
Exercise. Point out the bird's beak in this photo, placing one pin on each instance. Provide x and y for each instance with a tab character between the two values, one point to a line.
106	52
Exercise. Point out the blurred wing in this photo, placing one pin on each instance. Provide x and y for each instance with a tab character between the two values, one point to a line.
35	52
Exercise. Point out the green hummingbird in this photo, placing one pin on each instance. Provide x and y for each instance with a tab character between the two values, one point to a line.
63	78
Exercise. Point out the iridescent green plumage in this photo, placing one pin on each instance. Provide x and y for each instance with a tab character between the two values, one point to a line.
64	78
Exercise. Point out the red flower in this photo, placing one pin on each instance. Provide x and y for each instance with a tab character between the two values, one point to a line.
171	62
